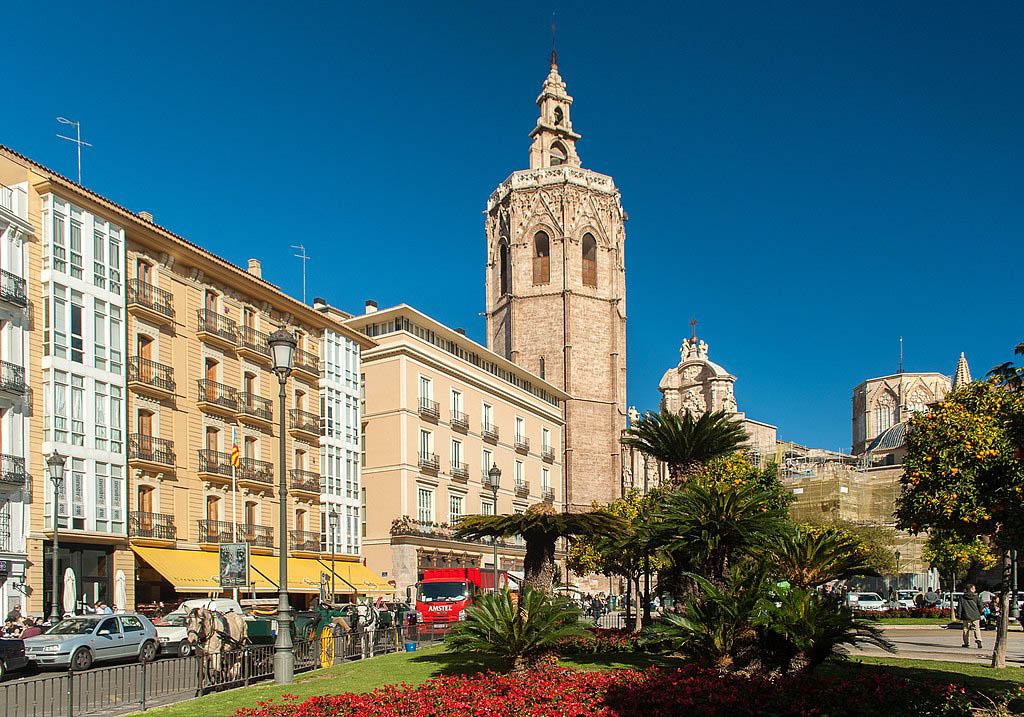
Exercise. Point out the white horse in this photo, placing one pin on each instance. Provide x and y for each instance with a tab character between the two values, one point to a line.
217	634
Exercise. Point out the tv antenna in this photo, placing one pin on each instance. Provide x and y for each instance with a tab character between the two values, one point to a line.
77	139
305	257
901	355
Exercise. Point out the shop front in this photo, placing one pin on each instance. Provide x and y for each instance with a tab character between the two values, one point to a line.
93	566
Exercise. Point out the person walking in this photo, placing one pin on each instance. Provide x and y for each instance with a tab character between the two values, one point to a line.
970	615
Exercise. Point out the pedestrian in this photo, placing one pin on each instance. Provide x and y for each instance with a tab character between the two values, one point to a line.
970	615
15	614
931	598
103	609
31	629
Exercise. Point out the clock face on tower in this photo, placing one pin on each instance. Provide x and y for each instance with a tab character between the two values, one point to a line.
558	116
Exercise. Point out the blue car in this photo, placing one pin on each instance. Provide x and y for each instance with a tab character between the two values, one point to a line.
77	642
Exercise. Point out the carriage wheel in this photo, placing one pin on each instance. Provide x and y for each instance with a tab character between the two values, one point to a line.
327	646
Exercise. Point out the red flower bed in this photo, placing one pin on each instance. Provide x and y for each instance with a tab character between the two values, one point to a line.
691	691
601	640
903	612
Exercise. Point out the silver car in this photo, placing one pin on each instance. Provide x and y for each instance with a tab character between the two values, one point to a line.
78	642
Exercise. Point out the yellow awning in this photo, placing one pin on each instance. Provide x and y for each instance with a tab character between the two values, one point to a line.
361	578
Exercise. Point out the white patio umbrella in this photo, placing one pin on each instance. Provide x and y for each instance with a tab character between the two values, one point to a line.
120	592
70	591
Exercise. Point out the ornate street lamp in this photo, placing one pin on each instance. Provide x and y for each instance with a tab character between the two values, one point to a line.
494	478
282	352
332	519
55	462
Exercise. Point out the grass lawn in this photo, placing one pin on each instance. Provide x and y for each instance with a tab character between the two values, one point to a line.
365	675
976	678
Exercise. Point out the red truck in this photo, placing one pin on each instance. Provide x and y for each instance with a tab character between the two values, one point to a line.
443	594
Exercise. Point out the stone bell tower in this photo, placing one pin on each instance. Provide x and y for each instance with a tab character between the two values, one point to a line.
556	292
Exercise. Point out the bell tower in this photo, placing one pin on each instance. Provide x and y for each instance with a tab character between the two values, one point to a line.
556	292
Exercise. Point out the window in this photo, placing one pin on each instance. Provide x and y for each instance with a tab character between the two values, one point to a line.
115	419
456	403
362	512
486	507
542	367
885	412
58	240
114	259
488	417
251	513
110	626
486	460
455	511
426	389
115	340
541	258
77	343
212	507
545	479
456	454
60	321
424	505
78	493
100	399
77	410
99	335
589	260
57	411
503	283
918	401
131	624
520	430
99	252
545	440
116	494
519	473
558	153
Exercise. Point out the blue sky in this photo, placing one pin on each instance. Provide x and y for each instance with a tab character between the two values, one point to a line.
810	180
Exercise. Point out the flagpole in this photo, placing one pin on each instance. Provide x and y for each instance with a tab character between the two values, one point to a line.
234	492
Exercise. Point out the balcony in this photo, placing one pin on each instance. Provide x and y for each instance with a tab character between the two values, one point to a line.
258	473
219	531
489	432
14	200
253	344
429	462
154	526
522	444
12	290
304	541
12	471
547	453
547	495
306	365
214	465
216	329
255	410
429	409
12	382
302	424
460	472
523	489
150	378
302	481
406	526
217	398
150	302
460	421
150	452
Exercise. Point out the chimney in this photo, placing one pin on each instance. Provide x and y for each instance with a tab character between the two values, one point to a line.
461	332
371	306
255	269
319	304
146	216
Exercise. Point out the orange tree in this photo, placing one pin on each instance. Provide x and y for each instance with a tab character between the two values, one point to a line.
962	475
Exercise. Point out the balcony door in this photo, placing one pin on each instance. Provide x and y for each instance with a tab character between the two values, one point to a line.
144	350
212	447
212	518
210	373
250	513
210	301
146	509
145	427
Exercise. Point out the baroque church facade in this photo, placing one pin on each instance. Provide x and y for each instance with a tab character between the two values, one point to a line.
556	292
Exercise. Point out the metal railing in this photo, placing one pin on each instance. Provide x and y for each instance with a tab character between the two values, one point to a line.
547	495
249	404
305	361
251	469
523	488
151	297
305	421
214	324
304	540
151	525
219	531
253	340
12	288
151	449
308	481
429	461
429	408
460	420
489	432
14	200
547	453
12	377
218	394
460	471
12	470
211	461
151	373
522	444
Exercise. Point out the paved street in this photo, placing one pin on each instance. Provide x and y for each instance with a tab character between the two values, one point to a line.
937	643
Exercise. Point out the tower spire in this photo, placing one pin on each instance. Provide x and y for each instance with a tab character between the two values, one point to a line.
962	377
554	55
554	142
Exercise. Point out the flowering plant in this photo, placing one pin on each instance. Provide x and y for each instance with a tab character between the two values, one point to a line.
600	641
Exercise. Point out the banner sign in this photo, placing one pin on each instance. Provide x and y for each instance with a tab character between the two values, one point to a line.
234	565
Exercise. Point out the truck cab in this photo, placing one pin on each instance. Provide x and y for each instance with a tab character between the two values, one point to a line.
443	594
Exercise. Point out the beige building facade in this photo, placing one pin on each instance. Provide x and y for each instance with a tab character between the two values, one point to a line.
556	292
440	411
881	403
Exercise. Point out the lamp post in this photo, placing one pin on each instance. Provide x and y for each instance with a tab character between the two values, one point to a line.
332	519
55	462
647	564
494	477
282	351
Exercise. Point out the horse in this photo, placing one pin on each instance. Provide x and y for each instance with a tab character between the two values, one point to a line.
216	633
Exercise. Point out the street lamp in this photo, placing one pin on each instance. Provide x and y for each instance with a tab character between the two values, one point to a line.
332	519
647	564
494	477
282	351
55	462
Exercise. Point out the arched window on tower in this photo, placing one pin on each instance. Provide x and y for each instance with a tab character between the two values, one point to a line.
541	258
542	367
589	260
558	154
503	267
885	412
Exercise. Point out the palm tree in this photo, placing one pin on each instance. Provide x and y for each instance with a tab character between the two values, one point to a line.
807	559
683	442
541	527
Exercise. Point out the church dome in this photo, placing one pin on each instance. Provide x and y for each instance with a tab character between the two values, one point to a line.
893	437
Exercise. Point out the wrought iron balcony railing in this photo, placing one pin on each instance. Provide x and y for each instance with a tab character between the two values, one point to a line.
460	420
12	288
429	461
429	408
460	471
12	377
151	525
305	421
523	488
547	495
150	449
218	394
151	297
251	469
522	444
547	453
250	404
305	361
151	373
303	480
254	341
304	540
12	470
211	461
209	322
489	432
219	531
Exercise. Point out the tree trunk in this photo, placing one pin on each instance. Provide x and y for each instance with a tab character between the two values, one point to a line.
999	653
539	563
640	597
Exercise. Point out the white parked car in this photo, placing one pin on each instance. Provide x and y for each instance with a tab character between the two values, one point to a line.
170	629
905	599
866	601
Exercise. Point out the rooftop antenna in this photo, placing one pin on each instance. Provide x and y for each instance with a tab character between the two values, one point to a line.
901	355
305	257
77	139
554	55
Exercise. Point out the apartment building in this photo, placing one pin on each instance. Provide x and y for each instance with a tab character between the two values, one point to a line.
152	364
15	233
440	410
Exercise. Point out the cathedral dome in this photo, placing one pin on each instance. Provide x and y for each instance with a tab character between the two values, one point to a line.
893	437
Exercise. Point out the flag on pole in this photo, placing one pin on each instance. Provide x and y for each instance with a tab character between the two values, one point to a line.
235	455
